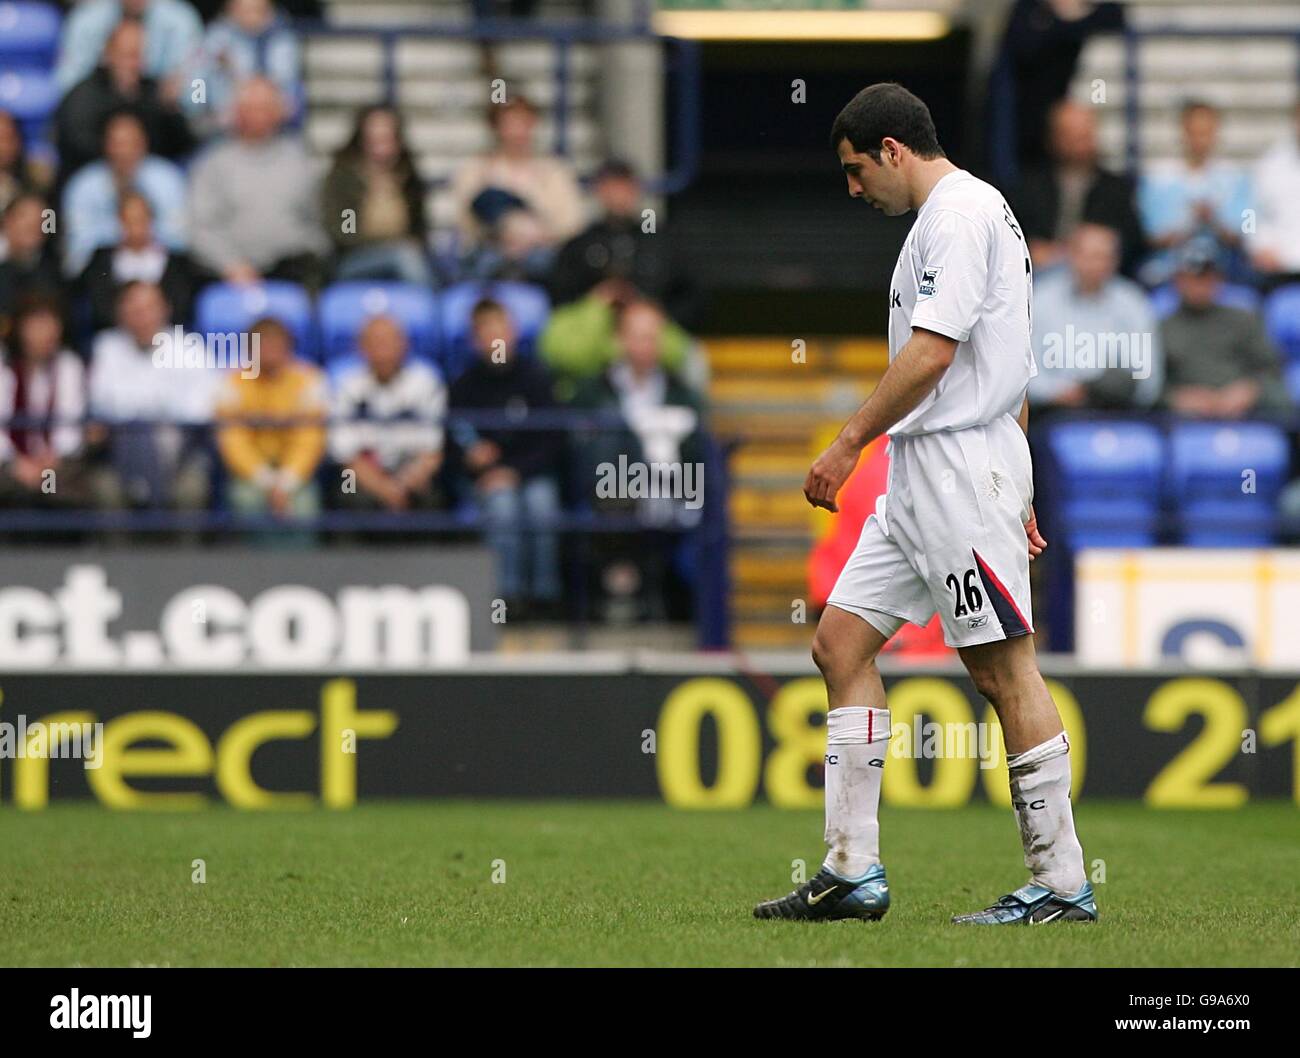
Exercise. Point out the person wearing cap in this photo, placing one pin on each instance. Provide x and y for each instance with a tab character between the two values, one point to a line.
624	242
1219	361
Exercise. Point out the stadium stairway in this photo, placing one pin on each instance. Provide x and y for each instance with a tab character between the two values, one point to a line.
1252	79
778	413
442	86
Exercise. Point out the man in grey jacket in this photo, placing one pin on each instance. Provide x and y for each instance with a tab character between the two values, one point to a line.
253	200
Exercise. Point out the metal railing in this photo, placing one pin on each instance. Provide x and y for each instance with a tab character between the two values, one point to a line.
710	531
1133	40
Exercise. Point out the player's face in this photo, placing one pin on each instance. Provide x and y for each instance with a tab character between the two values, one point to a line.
879	184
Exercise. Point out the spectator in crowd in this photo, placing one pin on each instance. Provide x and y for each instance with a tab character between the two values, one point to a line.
1096	339
29	264
90	200
373	203
272	429
1072	188
514	472
513	242
118	84
43	383
138	256
623	243
544	184
580	340
18	173
251	39
155	404
388	412
172	33
1219	362
1035	64
640	385
1274	243
1197	196
253	199
663	418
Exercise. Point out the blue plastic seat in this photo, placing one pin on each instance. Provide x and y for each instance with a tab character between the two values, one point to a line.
225	307
29	34
345	308
1230	461
1249	521
528	305
1282	320
1110	523
1118	459
1164	299
31	96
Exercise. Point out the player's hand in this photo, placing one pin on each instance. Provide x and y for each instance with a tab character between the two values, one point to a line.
1036	541
828	474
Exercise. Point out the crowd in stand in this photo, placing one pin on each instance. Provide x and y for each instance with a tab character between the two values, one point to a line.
175	163
1148	292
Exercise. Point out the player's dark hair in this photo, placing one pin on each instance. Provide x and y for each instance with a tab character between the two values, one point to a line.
886	109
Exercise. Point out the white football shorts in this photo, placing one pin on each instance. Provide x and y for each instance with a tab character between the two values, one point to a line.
948	535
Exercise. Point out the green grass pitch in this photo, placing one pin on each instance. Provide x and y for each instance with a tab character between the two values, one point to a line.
627	884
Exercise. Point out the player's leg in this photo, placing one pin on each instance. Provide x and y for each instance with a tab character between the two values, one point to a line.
857	736
1038	765
875	590
1038	760
851	882
972	491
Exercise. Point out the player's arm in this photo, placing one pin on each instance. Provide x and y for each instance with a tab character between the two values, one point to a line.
908	380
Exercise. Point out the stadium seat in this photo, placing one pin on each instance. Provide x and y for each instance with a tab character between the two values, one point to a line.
1164	299
225	307
1118	460
1293	381
1109	523
1282	319
1106	485
29	34
31	96
1225	479
527	304
345	308
1227	461
1244	522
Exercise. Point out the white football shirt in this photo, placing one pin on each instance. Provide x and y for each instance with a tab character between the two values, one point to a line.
964	272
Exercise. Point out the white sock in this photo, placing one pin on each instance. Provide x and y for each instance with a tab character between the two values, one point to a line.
1040	793
857	740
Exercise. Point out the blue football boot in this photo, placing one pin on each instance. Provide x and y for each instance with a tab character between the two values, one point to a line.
1032	905
826	897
